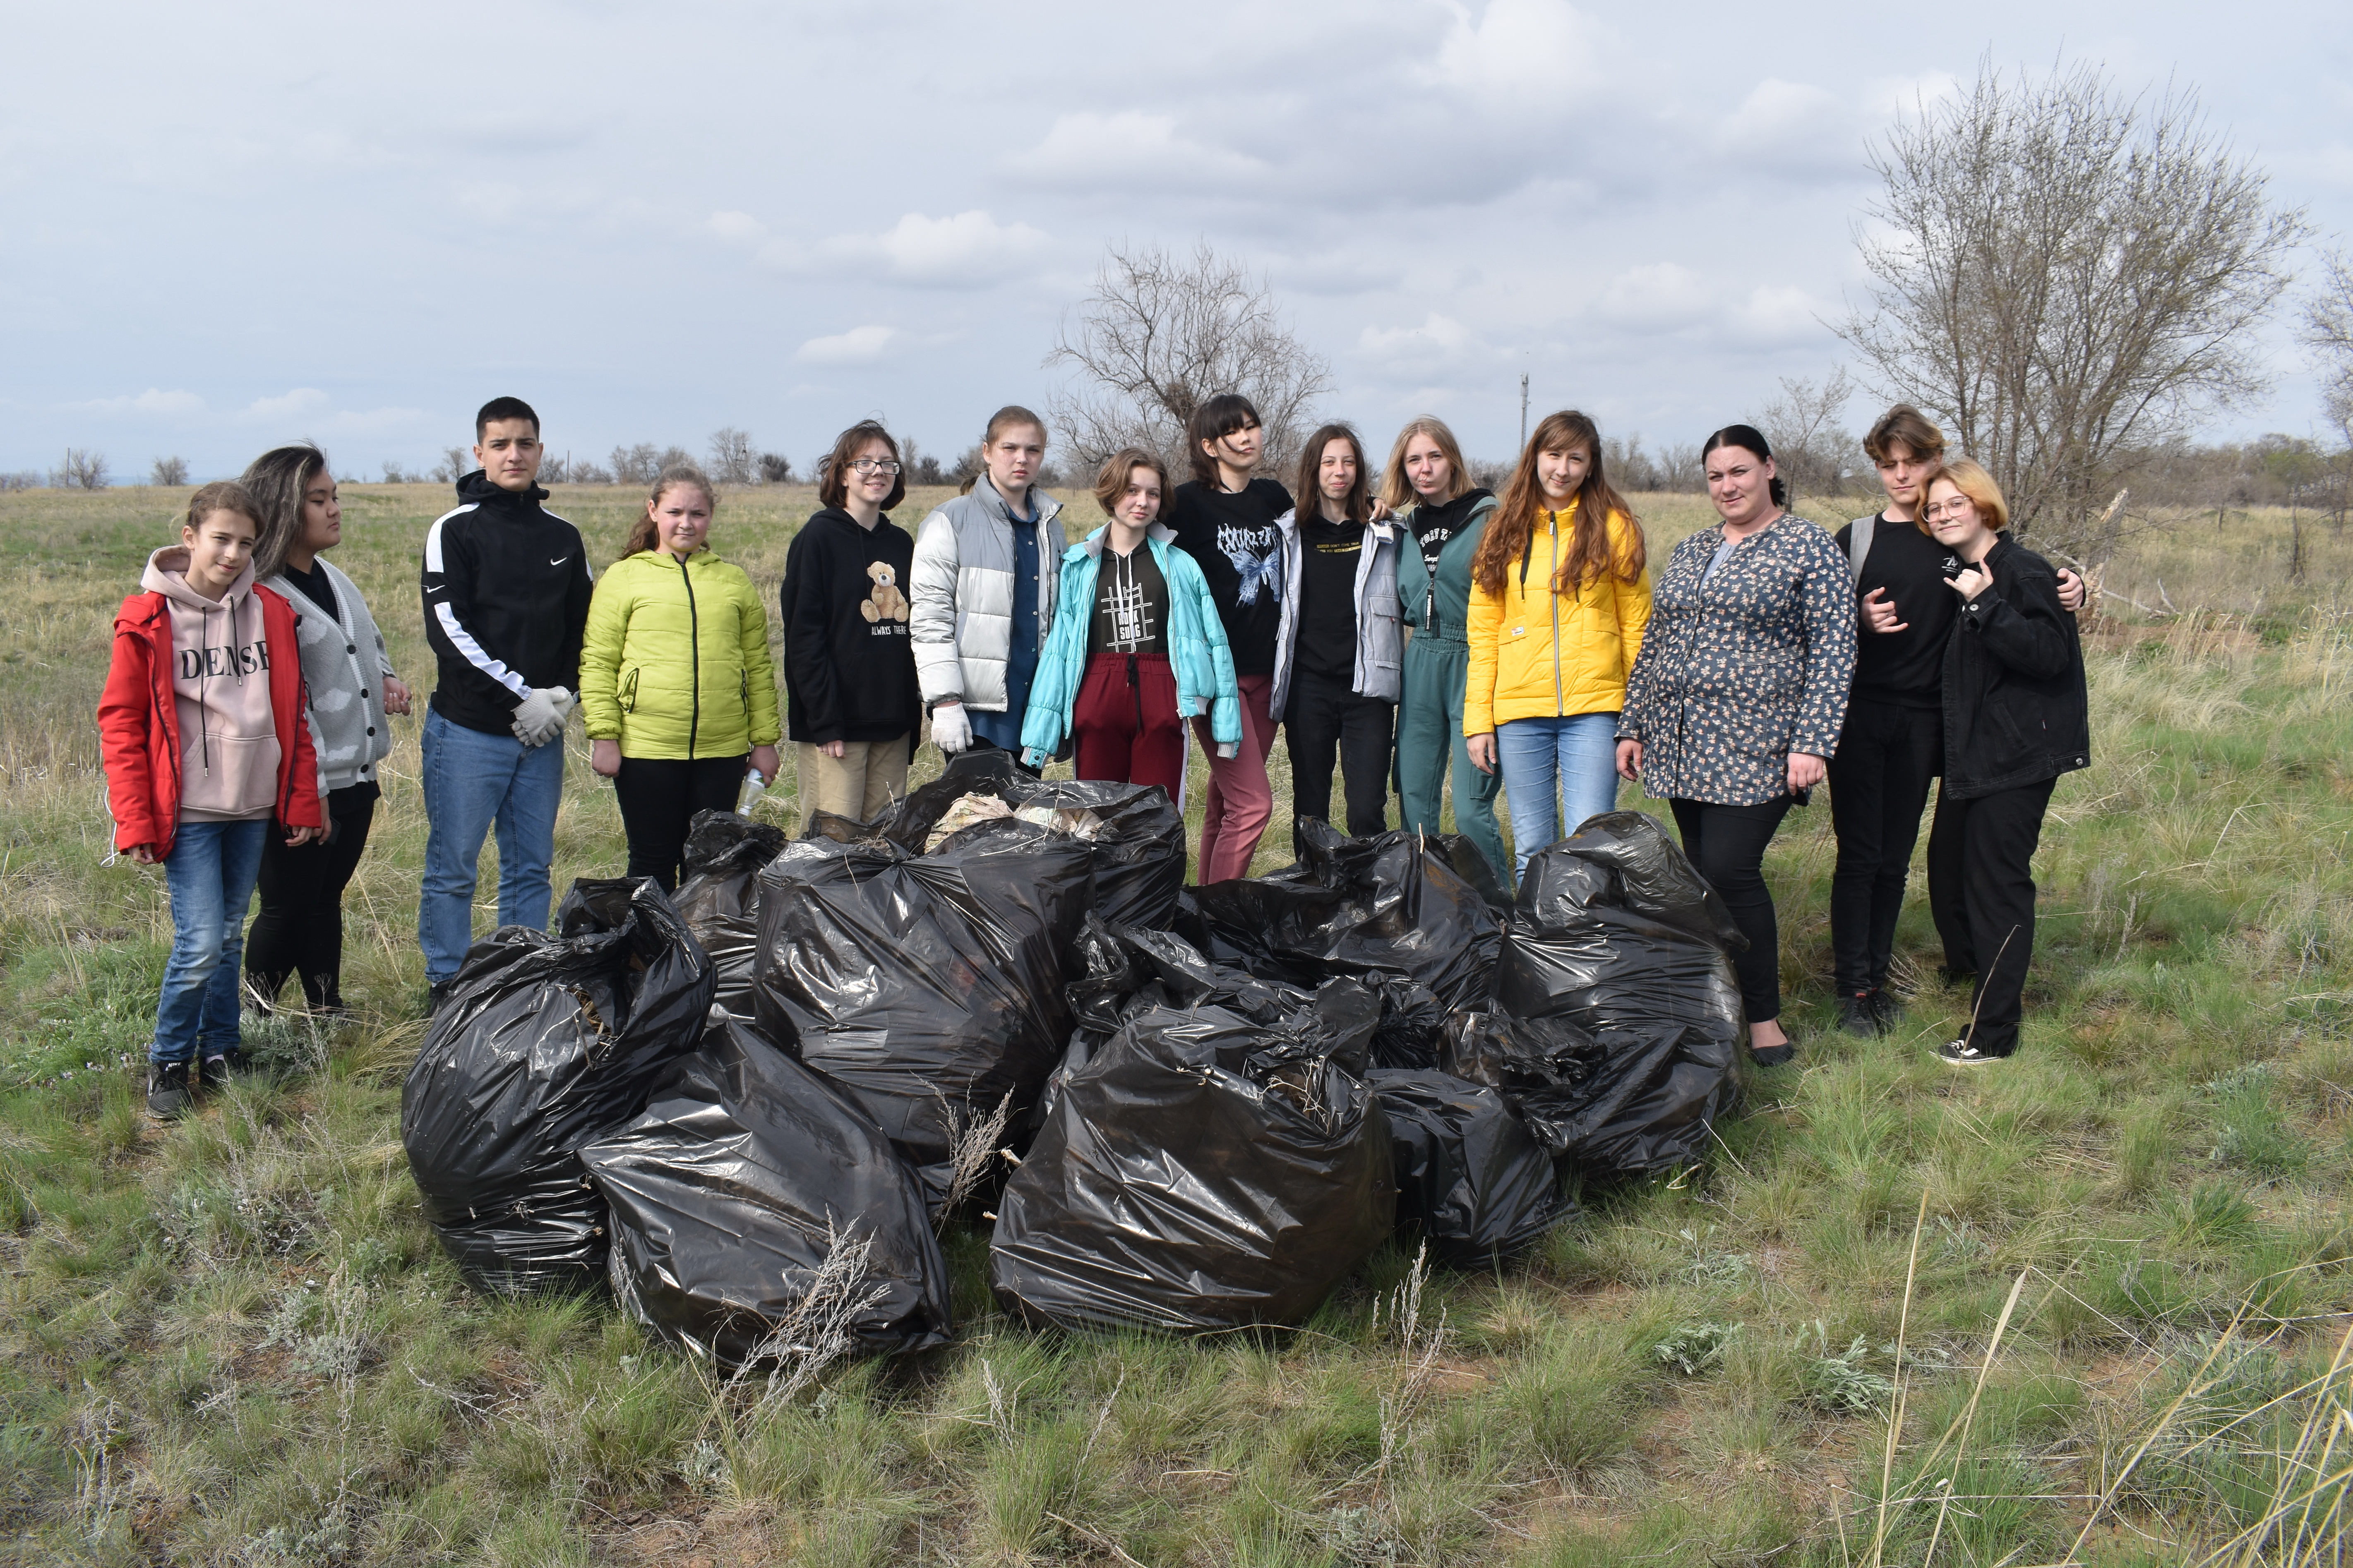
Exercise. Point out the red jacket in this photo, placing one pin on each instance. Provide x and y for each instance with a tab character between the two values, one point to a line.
139	724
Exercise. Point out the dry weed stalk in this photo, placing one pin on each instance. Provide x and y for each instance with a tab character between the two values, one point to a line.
1418	1347
972	1150
819	1330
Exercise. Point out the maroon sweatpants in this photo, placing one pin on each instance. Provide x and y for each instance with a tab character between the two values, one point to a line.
1126	722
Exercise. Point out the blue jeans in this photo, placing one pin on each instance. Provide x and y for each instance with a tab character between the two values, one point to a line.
1545	760
471	781
209	875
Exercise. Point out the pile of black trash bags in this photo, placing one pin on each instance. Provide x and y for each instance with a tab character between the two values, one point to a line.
1181	1109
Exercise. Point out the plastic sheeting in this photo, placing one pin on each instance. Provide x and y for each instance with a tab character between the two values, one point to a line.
1390	910
1468	1169
544	1044
1138	851
729	1194
1214	1163
928	987
1615	1020
724	852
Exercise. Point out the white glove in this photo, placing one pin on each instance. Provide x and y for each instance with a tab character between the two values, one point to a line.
1228	749
538	717
951	731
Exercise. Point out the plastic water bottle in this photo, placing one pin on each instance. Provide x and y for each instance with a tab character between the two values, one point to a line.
754	786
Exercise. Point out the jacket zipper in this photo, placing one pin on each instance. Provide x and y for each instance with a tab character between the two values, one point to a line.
694	659
1552	528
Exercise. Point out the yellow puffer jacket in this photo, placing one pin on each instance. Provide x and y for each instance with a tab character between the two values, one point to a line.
674	663
1536	654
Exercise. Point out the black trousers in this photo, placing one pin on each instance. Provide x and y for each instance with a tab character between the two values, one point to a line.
301	927
660	797
1322	717
1726	845
1887	757
1981	890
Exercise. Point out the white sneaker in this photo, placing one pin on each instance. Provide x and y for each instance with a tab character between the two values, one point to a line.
1961	1054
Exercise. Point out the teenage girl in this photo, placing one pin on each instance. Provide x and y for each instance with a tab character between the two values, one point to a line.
674	675
1225	519
1430	489
1137	648
1336	659
1559	599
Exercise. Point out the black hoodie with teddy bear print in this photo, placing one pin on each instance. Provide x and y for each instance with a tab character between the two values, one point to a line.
849	670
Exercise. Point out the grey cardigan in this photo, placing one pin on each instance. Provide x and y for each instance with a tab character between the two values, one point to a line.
343	664
1380	637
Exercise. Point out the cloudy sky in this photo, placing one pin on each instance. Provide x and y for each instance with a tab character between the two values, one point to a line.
231	225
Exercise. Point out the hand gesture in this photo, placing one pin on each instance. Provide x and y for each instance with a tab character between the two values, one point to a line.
1879	613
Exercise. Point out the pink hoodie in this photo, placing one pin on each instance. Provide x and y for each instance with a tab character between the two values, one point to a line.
221	685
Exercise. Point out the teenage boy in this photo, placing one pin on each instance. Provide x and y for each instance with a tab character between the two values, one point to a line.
506	596
1892	746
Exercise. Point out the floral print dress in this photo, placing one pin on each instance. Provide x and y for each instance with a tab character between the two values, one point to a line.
1740	669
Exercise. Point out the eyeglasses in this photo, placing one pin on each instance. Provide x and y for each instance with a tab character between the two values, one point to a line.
1959	507
873	466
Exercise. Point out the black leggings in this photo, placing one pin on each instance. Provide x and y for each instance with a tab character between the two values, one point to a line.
301	926
660	797
1727	844
1324	720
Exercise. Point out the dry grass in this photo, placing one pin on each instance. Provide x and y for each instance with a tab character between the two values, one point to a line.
2117	1269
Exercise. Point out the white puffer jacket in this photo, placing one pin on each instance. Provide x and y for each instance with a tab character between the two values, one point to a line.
960	615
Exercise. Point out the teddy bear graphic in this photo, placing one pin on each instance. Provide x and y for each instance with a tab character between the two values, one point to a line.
885	603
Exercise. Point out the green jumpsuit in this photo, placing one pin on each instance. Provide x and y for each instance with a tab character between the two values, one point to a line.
1430	711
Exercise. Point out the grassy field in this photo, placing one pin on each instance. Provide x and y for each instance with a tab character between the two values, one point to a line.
2092	1306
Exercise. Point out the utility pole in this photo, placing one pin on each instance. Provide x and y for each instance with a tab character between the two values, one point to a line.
1523	411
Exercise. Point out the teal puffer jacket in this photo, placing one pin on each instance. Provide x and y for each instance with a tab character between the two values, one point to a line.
1197	653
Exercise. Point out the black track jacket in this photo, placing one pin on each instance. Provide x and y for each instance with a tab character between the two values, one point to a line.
506	598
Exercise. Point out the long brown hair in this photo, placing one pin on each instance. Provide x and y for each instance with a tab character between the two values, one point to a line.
647	535
277	481
1358	502
1397	490
1512	530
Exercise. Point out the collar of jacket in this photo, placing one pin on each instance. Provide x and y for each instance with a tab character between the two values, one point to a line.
1376	533
476	489
662	559
1092	544
986	494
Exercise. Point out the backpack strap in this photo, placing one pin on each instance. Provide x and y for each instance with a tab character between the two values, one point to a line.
1858	544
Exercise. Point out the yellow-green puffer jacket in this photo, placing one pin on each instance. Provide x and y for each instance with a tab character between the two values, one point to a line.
675	662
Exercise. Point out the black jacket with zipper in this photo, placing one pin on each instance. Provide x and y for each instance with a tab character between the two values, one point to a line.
2016	712
850	666
507	586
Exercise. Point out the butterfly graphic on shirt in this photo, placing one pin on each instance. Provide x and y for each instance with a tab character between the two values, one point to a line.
1256	554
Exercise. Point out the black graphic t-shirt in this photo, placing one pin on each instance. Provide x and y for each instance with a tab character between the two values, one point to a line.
1328	554
1131	605
1234	537
1434	527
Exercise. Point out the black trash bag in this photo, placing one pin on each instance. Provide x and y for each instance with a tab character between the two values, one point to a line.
1139	848
1389	910
544	1045
1211	1166
732	1189
927	987
1616	1023
724	852
1468	1169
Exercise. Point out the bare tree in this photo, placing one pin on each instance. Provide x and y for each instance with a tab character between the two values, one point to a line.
735	460
397	472
20	479
168	471
1811	451
456	463
2062	275
636	464
2328	332
83	471
776	469
1161	333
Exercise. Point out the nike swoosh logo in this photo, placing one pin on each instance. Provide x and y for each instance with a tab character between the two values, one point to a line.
559	561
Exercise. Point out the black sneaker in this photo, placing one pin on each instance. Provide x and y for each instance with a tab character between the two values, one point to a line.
223	1066
1887	1009
1782	1054
168	1094
1857	1016
1961	1054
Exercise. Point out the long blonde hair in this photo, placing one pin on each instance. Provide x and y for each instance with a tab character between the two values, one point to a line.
1396	491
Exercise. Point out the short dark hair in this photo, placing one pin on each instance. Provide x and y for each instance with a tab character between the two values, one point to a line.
1214	420
1110	482
833	469
1359	503
1905	426
1749	438
504	408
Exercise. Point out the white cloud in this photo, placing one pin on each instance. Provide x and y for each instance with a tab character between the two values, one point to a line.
1094	150
736	226
969	250
1439	342
300	402
859	345
1794	128
1658	296
1544	46
151	400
